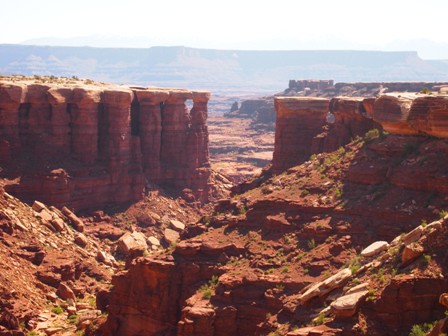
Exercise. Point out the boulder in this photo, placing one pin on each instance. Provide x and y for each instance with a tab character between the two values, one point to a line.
58	224
375	248
153	241
65	292
38	206
411	252
345	306
105	258
171	236
77	223
324	287
81	240
413	235
177	225
130	241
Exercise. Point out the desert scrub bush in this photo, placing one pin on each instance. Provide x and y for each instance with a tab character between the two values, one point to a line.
311	243
420	329
372	135
73	319
280	287
242	210
206	220
319	320
425	90
443	213
370	295
354	264
208	289
304	192
57	310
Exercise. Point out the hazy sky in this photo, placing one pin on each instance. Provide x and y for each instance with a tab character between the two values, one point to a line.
233	24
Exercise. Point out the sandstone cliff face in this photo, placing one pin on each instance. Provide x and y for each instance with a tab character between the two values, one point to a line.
87	146
299	120
302	130
351	119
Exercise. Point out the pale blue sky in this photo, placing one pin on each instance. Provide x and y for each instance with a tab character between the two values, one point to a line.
232	24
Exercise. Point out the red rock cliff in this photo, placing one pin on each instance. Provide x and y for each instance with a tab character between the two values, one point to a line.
299	120
302	130
88	146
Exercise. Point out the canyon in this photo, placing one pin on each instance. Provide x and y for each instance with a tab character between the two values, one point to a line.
343	233
293	242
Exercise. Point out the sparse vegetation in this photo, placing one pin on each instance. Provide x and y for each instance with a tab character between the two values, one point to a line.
311	244
319	320
280	287
304	193
370	295
354	264
208	289
57	310
420	329
372	135
73	319
443	213
425	90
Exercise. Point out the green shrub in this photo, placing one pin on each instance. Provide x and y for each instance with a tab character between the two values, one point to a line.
354	264
319	320
420	329
425	90
57	310
372	135
311	244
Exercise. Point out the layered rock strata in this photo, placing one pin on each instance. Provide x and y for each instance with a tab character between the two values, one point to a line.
302	129
350	117
299	120
87	146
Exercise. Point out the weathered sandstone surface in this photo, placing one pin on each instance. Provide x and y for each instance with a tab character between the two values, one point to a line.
92	145
302	129
299	121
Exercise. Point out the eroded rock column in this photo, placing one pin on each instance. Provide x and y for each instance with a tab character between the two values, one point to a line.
34	121
117	141
84	124
175	127
11	96
59	126
198	145
150	130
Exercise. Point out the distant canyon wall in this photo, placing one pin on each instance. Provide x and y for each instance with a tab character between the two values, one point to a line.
88	146
329	88
305	127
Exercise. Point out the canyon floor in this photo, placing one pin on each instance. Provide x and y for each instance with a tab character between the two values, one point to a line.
239	149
